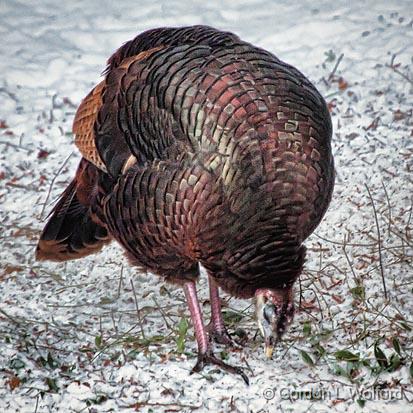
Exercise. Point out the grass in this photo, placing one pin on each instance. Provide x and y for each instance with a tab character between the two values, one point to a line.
376	334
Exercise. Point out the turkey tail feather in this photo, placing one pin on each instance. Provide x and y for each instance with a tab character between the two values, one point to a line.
70	232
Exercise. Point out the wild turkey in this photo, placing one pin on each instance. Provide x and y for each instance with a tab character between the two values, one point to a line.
200	148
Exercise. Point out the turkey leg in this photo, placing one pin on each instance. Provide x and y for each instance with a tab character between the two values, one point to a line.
216	327
205	353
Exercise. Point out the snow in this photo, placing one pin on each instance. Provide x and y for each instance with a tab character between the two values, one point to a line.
73	336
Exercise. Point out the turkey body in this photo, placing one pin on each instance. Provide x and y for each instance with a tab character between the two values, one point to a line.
199	148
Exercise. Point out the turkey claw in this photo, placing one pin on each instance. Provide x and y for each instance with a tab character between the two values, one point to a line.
209	358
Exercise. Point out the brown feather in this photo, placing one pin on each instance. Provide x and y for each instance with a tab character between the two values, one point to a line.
86	115
127	61
84	122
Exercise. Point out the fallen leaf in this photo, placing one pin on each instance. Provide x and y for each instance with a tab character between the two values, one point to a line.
310	305
67	101
338	299
331	105
399	115
9	269
42	154
14	382
342	84
42	179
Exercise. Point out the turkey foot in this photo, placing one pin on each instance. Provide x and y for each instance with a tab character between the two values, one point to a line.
205	355
220	336
209	358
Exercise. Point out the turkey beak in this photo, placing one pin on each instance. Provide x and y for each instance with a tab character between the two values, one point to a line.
270	340
269	348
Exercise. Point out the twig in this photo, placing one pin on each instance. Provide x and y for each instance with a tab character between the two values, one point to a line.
340	243
248	366
100	327
9	94
379	241
138	310
114	342
120	280
15	146
52	183
13	319
388	204
330	95
29	187
401	236
115	327
301	292
138	405
162	312
37	403
356	279
394	68
335	67
408	221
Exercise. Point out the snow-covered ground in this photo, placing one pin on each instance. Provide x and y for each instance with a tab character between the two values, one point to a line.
95	336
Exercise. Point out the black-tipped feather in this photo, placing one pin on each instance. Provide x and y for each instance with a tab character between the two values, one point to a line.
70	232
